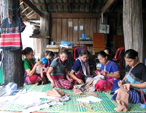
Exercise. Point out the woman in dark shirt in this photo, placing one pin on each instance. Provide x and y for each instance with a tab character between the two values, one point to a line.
135	76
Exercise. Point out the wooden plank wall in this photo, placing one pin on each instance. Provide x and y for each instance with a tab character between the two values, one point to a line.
61	31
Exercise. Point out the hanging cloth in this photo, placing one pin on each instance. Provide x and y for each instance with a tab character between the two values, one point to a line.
11	34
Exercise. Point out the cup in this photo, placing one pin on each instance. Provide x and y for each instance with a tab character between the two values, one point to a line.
83	36
52	42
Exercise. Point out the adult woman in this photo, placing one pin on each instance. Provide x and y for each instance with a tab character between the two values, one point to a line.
80	69
107	50
30	68
109	69
58	71
135	77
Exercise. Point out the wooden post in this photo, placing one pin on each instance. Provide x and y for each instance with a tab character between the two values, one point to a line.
133	26
12	64
44	29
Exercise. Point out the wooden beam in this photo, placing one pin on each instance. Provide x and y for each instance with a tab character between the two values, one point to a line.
39	36
46	6
107	5
33	23
29	13
51	4
75	15
68	6
25	10
58	4
80	3
92	6
32	7
21	3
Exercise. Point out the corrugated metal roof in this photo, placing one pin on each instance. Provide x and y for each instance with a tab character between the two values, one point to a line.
67	6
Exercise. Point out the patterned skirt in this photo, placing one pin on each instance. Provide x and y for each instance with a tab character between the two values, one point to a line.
61	82
32	79
103	85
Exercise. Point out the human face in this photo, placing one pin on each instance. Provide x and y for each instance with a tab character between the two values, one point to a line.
63	57
106	51
131	62
102	59
49	57
30	55
84	58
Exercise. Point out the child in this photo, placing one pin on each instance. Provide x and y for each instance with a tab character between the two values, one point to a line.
98	66
46	62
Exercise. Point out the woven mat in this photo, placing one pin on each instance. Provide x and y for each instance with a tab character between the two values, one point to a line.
104	106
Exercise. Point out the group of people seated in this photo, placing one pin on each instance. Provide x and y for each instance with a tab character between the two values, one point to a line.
56	71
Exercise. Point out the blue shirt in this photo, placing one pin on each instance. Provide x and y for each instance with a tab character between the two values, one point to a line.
44	60
77	65
111	67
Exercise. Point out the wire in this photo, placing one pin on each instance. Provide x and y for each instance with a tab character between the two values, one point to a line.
10	8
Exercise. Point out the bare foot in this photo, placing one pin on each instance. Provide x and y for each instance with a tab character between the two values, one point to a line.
99	90
37	83
44	81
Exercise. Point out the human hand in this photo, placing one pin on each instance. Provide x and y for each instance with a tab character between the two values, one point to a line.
80	81
120	83
126	86
52	84
104	73
45	69
70	79
38	63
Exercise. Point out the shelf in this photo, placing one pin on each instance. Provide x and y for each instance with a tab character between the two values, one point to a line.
39	36
86	42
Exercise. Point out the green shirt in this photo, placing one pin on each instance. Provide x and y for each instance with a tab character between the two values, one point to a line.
27	64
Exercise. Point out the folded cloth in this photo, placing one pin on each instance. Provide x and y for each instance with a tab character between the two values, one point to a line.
64	99
55	93
11	88
89	99
92	93
122	98
77	91
64	42
80	86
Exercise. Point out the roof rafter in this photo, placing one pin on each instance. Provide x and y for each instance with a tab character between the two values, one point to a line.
57	4
92	6
107	5
22	4
68	6
33	7
46	6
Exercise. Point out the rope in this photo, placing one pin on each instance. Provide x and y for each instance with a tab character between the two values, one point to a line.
10	8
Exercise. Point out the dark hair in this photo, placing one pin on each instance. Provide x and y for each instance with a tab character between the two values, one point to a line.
84	52
131	53
109	50
27	50
96	60
102	53
65	51
50	53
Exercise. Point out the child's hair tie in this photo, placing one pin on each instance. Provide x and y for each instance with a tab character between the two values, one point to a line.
23	52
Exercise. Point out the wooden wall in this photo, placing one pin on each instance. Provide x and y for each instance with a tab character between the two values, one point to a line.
61	31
